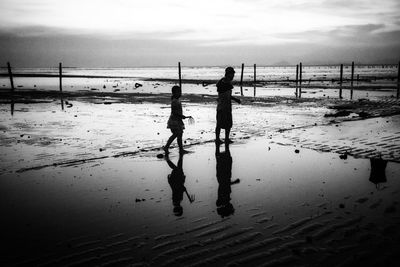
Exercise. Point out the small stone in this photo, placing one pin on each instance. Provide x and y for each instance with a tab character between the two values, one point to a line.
297	151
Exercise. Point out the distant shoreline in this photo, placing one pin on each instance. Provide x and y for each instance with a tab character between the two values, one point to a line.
195	81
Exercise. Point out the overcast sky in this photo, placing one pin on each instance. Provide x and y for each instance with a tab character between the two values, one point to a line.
123	33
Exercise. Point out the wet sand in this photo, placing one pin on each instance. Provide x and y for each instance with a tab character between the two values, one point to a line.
303	208
84	186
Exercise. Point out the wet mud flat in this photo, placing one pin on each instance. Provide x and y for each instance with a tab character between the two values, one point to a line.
307	182
254	204
95	125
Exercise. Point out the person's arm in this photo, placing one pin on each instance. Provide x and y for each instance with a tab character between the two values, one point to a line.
237	100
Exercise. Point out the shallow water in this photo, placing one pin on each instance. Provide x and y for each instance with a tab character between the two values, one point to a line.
207	73
94	205
42	134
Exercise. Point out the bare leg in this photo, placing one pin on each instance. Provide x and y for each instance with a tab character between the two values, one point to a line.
227	132
180	141
217	133
170	140
181	150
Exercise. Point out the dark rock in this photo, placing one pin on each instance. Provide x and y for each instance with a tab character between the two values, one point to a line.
341	113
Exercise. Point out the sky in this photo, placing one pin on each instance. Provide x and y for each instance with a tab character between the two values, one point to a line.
134	33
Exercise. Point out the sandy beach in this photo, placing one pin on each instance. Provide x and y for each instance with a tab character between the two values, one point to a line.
307	182
200	133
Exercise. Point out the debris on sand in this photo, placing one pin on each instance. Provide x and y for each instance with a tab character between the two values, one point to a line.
364	114
297	151
69	104
343	156
341	113
160	156
137	85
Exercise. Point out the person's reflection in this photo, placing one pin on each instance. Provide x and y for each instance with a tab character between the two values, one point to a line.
177	180
378	167
224	175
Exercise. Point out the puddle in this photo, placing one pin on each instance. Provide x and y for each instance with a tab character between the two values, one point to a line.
253	204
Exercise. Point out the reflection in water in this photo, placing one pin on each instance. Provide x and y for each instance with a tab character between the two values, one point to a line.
378	167
177	180
62	102
12	104
224	175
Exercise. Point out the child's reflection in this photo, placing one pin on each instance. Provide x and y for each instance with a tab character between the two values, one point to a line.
224	175
177	180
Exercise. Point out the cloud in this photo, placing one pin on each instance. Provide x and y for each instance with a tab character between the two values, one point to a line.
198	31
362	35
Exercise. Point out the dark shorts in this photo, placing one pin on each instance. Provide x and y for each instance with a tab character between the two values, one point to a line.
224	119
177	131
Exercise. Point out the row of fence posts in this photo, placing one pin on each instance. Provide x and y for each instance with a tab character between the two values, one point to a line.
299	79
10	74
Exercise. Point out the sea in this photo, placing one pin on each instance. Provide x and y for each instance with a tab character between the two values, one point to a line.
262	73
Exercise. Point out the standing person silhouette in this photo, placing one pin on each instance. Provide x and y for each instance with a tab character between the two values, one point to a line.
224	107
224	175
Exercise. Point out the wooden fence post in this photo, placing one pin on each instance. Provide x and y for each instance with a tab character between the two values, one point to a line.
297	80
60	77
301	78
255	80
352	79
341	81
241	80
180	77
12	87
